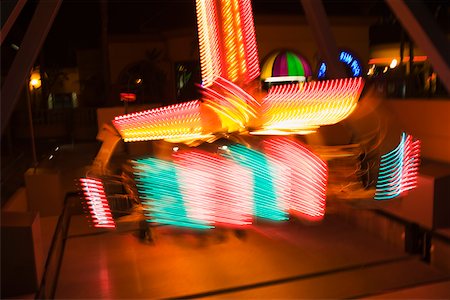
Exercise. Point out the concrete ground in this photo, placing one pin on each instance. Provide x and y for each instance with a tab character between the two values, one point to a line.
273	261
331	259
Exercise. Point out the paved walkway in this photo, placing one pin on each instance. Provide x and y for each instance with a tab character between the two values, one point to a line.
289	260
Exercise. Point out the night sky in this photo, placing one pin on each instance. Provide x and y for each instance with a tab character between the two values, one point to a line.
78	23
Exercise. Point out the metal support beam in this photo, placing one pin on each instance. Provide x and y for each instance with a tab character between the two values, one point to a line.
12	17
318	22
23	62
422	28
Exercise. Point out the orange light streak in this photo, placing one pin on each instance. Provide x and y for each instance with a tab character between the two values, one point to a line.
234	106
227	41
387	60
307	106
170	122
210	54
251	48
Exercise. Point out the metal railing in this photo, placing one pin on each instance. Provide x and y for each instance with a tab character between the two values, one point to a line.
53	263
57	123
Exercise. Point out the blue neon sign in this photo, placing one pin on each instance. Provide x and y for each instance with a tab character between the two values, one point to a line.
347	59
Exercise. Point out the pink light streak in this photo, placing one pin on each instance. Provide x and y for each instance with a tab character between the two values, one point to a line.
411	161
97	203
215	190
302	182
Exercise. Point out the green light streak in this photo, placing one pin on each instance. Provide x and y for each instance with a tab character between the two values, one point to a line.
158	188
264	194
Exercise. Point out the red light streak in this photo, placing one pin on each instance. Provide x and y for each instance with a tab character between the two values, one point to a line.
251	53
128	97
215	190
227	41
302	180
97	203
410	164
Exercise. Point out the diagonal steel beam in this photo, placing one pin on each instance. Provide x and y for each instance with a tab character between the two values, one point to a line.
318	22
422	28
32	42
12	17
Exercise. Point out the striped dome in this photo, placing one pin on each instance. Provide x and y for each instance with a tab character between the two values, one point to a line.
285	63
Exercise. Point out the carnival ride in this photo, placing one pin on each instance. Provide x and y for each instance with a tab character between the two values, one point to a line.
239	154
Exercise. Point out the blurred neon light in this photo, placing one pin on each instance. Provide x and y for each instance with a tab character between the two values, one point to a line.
199	189
388	60
175	121
266	204
398	169
97	203
234	106
250	46
227	41
347	58
127	97
157	183
215	190
302	182
300	107
208	34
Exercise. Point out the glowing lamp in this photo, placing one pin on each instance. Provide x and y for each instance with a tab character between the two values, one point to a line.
235	108
35	80
388	60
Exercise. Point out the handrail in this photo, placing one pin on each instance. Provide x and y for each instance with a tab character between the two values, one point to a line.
53	263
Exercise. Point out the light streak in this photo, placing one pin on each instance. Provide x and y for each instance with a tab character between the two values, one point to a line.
158	187
227	41
97	203
234	106
388	60
177	121
302	182
215	190
307	106
398	169
266	204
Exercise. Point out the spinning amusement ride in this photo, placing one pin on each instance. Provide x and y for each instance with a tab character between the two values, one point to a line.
239	154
